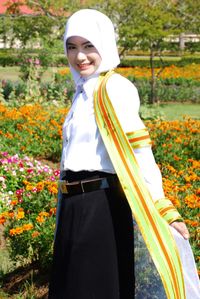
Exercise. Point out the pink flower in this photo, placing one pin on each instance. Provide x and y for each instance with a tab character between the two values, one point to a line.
37	61
4	154
56	172
19	192
46	169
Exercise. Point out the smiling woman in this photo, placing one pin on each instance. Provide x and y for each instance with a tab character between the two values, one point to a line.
82	56
108	175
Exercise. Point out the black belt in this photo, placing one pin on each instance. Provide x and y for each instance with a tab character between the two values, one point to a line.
84	186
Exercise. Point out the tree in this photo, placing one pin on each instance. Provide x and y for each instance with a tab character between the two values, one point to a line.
143	24
45	23
187	11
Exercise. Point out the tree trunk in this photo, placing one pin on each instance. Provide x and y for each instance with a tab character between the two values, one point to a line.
153	98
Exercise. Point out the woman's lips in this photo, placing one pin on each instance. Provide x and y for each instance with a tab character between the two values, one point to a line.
84	66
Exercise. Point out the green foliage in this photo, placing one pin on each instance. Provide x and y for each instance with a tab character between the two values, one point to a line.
29	189
28	205
176	150
22	130
178	90
141	62
8	59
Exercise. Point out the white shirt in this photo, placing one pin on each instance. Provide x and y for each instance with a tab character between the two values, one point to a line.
83	147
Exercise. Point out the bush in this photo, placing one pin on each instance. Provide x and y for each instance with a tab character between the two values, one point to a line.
59	91
28	204
8	59
180	62
177	90
177	151
50	57
28	191
32	130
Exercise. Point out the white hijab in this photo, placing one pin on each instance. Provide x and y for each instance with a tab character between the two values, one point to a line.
99	30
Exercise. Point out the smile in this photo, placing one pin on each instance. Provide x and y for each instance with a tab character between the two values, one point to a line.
84	66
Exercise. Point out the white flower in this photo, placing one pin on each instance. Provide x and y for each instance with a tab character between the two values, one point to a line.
2	179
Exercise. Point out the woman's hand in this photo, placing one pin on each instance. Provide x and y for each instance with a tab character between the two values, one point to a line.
181	228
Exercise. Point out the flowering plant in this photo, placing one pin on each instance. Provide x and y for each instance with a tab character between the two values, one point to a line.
28	191
176	149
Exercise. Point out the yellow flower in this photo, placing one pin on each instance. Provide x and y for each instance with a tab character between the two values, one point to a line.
20	214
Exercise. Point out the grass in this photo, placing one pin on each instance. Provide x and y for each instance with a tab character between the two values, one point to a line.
172	111
177	111
13	73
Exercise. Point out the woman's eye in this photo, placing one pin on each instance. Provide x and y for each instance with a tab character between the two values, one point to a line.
89	46
69	47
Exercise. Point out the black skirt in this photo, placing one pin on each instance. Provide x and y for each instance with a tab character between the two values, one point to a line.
94	247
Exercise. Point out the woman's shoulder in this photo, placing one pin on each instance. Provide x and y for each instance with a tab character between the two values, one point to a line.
119	87
120	81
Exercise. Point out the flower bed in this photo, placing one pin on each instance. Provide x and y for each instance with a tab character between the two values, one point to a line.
28	188
33	130
190	71
28	192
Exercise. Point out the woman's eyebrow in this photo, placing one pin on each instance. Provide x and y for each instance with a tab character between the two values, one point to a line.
72	44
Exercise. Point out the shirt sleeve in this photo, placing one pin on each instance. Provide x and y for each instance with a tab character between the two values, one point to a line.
150	171
125	100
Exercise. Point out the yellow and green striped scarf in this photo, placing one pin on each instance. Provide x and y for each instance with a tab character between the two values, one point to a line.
155	230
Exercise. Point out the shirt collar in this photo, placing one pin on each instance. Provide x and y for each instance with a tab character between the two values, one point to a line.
87	85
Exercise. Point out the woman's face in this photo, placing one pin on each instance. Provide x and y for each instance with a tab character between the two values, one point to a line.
82	56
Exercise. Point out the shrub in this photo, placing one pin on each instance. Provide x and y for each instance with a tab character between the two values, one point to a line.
28	189
32	130
177	151
27	201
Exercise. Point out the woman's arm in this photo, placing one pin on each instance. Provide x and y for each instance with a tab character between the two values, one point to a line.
125	100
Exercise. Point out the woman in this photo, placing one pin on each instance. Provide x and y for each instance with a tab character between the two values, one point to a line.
108	174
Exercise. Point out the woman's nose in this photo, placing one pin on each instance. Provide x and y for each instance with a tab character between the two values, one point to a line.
80	55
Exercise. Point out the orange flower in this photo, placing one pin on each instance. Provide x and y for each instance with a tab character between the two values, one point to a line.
192	201
14	202
192	222
27	226
16	231
10	214
35	234
176	158
52	211
2	219
19	230
40	219
53	188
40	186
44	214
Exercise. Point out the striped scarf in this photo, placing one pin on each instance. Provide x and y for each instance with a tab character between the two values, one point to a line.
154	229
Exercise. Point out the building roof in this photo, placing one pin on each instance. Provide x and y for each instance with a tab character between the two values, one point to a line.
15	4
16	7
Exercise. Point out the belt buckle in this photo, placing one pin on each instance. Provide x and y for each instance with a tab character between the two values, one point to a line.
63	186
